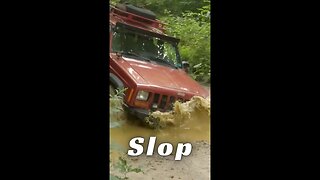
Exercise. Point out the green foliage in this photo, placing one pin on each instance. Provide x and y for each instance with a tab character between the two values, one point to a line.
119	93
112	177
158	7
116	108
124	168
193	28
114	2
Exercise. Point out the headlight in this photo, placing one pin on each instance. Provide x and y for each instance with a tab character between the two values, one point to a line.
142	95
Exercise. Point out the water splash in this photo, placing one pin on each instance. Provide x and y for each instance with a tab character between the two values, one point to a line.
182	115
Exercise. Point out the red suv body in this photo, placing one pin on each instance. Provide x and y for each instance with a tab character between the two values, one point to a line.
147	62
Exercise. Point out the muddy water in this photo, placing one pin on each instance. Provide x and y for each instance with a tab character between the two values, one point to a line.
188	122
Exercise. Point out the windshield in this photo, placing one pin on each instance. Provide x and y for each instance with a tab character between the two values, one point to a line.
147	48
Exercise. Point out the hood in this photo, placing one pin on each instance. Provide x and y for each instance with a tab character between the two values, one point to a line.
162	76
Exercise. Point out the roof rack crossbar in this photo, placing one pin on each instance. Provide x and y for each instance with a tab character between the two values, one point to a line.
131	17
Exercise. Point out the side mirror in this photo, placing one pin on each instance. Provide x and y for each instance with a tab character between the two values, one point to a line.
185	66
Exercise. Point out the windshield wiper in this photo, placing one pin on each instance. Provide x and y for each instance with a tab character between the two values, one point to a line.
158	59
130	53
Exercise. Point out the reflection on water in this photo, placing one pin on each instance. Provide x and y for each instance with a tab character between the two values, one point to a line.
188	122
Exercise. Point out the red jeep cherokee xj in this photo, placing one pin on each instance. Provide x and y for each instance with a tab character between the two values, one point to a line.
146	61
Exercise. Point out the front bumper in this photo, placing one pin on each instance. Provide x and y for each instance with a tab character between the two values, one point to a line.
138	112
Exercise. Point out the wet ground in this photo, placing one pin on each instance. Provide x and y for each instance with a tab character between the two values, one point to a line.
194	167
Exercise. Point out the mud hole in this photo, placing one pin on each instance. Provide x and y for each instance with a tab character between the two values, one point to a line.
188	122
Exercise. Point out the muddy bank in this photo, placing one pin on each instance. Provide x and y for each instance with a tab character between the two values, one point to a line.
194	167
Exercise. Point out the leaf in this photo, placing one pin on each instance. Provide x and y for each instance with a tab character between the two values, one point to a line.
112	177
198	65
136	170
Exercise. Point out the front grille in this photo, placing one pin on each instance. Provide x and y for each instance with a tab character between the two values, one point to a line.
163	102
156	99
171	101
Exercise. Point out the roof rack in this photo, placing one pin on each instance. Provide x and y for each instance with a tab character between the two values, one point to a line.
136	18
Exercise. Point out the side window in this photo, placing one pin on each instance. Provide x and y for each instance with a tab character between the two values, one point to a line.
116	41
170	53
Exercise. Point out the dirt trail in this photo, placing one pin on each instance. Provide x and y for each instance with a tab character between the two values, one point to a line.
193	167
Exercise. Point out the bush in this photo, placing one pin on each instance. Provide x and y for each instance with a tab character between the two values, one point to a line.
116	117
194	31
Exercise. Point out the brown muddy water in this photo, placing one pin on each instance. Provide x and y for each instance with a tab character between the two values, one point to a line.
188	122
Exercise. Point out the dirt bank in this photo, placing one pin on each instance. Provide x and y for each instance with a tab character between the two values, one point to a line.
193	167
